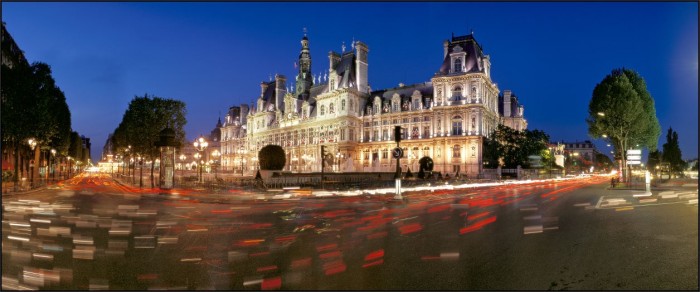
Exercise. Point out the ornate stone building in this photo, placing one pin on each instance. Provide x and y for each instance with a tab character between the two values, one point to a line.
445	118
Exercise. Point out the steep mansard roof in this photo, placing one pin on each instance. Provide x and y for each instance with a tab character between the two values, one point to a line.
405	92
270	95
469	45
346	70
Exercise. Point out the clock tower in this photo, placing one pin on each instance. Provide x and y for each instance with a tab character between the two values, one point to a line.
304	81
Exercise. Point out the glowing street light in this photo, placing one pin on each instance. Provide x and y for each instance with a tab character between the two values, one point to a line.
216	155
53	157
200	144
32	144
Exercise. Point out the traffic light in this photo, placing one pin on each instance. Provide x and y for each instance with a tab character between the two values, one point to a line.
397	134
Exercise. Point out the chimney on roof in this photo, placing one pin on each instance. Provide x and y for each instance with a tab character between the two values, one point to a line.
444	45
506	103
280	91
263	87
361	71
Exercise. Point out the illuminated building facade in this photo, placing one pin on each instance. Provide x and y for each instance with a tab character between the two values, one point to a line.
445	118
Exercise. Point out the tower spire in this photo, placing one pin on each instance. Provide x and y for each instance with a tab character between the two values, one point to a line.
304	78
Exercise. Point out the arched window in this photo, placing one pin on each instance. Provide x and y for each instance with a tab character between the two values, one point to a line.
455	151
457	93
323	110
457	125
395	106
458	65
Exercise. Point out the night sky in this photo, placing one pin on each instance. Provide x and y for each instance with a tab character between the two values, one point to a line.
214	55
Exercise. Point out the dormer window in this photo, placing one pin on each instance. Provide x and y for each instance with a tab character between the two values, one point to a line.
458	65
323	110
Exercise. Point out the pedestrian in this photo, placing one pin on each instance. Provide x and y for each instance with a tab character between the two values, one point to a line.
612	182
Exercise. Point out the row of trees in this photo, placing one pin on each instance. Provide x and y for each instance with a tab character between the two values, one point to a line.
34	107
141	124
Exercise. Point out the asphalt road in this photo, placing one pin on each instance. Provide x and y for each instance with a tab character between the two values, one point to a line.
92	233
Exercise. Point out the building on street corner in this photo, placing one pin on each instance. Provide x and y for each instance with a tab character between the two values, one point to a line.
445	118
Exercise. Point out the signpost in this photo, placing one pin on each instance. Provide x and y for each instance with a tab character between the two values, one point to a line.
634	157
397	153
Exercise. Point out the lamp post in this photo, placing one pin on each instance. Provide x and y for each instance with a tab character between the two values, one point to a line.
199	165
53	158
131	171
70	168
32	145
240	155
140	171
200	144
216	155
183	157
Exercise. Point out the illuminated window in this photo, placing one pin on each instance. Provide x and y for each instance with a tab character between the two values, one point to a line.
457	125
457	92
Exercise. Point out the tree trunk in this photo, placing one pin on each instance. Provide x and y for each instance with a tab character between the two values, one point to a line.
16	150
153	166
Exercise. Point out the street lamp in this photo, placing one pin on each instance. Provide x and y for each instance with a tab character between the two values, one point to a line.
200	144
199	166
32	144
70	168
216	155
53	157
140	171
240	155
131	171
183	157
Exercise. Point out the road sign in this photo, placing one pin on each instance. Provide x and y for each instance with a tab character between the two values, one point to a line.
634	157
397	152
633	162
634	152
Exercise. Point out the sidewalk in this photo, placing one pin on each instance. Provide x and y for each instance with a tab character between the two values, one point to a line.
672	192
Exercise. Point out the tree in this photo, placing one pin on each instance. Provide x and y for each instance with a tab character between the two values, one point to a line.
426	164
513	147
622	111
603	161
491	151
672	152
272	157
142	122
653	160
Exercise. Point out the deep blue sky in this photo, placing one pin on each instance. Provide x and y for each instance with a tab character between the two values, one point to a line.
214	55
